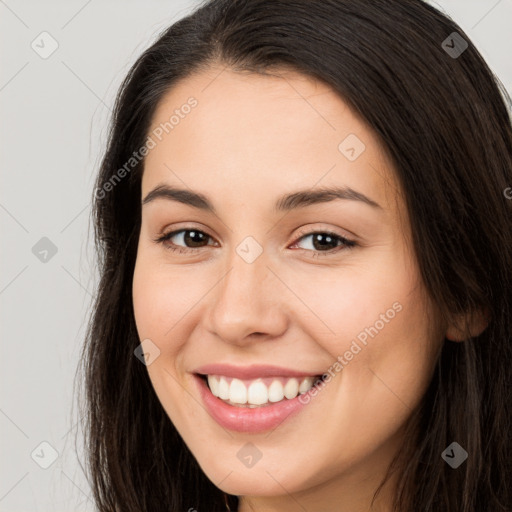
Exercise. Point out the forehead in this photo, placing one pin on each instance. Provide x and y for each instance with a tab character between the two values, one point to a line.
263	135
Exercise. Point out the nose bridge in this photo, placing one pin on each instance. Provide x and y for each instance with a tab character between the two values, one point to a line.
246	300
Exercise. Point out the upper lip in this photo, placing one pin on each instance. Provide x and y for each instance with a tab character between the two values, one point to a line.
251	372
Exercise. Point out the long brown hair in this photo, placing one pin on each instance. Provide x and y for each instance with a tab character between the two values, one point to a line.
443	118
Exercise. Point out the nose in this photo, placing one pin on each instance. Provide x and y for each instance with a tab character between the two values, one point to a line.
248	302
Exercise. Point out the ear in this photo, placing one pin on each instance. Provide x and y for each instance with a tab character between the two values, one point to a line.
467	326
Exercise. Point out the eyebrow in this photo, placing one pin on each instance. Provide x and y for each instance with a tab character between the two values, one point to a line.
298	199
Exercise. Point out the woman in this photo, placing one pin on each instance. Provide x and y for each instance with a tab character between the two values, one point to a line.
305	245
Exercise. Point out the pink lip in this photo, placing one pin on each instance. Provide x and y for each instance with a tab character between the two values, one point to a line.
251	372
245	419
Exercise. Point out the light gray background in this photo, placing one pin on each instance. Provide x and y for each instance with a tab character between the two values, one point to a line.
54	115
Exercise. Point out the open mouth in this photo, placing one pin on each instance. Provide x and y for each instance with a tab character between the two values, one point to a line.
259	392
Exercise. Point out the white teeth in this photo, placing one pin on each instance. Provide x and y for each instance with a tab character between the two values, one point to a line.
275	392
256	392
223	387
213	382
291	388
237	392
305	385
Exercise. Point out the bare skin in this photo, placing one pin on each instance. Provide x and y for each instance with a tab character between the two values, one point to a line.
250	140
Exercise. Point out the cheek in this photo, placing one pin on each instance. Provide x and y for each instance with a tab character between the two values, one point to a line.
162	298
374	321
356	300
163	303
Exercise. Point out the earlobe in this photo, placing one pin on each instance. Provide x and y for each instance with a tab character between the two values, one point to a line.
463	327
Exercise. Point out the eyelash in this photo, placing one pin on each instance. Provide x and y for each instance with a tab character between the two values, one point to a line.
345	242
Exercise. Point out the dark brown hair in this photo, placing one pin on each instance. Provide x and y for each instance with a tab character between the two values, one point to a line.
443	120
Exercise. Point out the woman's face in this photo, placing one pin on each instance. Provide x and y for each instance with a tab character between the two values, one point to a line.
262	285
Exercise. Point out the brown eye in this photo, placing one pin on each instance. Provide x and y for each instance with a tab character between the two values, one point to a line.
325	242
184	239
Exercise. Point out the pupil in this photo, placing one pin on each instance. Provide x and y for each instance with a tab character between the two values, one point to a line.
194	237
323	241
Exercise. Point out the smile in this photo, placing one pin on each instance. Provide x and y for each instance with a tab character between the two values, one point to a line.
257	392
253	399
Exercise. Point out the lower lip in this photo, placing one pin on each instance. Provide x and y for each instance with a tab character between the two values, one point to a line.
247	419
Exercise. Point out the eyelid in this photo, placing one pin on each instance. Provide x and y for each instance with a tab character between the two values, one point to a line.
176	228
303	231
